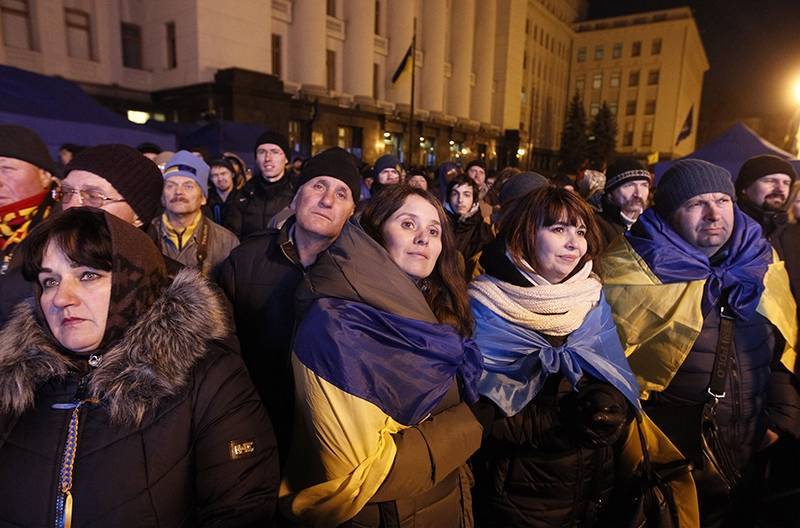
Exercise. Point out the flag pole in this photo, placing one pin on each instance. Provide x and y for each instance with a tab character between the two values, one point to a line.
411	137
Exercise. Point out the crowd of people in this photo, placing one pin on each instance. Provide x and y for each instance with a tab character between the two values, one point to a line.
188	342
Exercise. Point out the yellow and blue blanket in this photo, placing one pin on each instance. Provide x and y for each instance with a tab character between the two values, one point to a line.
362	375
659	287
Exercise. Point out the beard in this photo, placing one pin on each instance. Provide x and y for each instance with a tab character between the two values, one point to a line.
633	206
774	202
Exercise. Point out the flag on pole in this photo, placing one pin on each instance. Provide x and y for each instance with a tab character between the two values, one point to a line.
686	129
403	64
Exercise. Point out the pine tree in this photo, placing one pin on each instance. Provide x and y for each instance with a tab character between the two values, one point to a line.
602	138
574	144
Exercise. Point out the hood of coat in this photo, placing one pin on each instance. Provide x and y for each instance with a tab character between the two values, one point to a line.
152	361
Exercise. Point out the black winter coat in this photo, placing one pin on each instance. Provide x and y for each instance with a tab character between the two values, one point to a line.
218	209
176	435
257	203
535	469
260	278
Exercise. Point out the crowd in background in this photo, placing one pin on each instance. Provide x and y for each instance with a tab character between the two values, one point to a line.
325	342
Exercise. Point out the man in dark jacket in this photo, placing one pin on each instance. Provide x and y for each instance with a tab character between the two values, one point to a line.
471	230
762	189
267	192
261	275
222	193
707	319
625	198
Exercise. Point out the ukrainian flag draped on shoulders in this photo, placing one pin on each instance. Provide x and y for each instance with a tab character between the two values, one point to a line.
369	360
657	285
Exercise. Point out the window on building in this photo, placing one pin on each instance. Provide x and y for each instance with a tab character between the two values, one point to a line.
582	54
376	81
612	107
330	8
597	81
79	34
172	46
295	135
594	108
344	137
636	48
647	134
598	53
655	48
633	78
627	136
277	54
613	80
652	77
16	24
131	45
580	85
330	69
616	52
630	107
650	107
535	31
377	17
527	26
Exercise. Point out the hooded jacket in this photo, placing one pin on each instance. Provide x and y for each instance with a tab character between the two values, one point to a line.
169	430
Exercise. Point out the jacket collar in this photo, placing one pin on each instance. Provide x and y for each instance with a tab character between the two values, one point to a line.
136	374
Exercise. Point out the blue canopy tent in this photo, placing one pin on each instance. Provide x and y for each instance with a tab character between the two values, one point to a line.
730	150
60	112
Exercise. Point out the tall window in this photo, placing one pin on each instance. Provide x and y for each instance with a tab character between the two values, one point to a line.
647	134
277	53
627	136
612	107
581	54
655	48
636	48
131	45
79	34
598	53
330	68
172	46
16	24
652	77
633	78
597	81
630	107
580	85
330	8
650	107
594	109
616	53
613	80
376	81
377	17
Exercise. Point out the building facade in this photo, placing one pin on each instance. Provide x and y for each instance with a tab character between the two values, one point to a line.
492	79
648	68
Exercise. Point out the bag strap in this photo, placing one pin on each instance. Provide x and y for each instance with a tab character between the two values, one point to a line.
646	467
722	357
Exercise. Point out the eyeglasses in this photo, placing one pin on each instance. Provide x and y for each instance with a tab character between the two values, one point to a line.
85	197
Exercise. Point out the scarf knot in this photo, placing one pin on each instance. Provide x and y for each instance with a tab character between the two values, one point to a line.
561	360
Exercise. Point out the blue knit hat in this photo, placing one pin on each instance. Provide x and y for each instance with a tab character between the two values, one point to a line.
184	163
688	178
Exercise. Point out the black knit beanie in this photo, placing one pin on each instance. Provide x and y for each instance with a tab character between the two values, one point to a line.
761	166
623	170
336	163
387	161
688	178
134	176
520	185
222	162
274	138
24	144
476	163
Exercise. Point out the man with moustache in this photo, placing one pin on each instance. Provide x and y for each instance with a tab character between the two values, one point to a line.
703	307
261	275
182	232
267	192
762	189
625	197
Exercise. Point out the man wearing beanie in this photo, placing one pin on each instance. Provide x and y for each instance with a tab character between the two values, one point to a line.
183	232
267	192
387	172
762	189
705	312
116	178
261	275
26	184
222	192
625	197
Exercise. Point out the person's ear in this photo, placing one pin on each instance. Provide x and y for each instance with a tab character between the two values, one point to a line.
45	178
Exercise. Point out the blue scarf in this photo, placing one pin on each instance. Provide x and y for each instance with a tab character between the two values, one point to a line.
403	366
737	280
517	360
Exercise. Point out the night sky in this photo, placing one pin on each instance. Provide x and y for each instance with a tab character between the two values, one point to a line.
753	49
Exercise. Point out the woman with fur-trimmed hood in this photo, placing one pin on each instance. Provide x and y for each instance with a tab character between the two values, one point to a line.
119	403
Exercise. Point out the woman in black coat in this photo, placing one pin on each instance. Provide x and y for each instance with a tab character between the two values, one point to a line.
119	404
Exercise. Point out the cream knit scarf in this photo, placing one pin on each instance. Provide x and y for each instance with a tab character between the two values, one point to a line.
554	309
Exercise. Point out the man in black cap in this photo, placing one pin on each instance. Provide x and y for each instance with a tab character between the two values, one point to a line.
762	189
706	316
267	192
261	275
222	193
625	197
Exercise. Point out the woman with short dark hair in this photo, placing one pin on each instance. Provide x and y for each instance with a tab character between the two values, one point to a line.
119	404
383	366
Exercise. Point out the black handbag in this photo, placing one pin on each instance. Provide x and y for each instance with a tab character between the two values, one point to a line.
646	499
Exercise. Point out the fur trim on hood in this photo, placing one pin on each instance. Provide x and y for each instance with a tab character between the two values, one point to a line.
152	361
